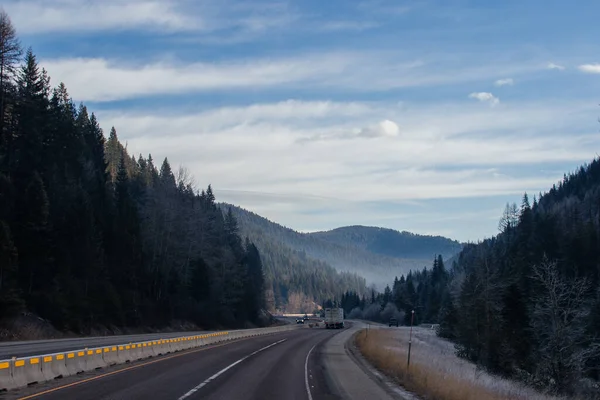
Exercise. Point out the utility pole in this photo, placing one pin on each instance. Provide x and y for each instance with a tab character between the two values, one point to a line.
410	339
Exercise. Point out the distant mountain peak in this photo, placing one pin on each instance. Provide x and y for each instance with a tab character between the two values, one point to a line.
376	253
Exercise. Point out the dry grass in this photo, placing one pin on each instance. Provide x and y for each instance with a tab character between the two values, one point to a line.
435	372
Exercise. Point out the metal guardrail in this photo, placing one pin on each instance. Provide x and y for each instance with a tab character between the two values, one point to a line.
24	371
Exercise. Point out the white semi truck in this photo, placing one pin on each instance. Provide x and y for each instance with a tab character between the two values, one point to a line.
334	318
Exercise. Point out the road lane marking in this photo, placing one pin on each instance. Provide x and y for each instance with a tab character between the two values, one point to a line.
306	373
32	396
206	382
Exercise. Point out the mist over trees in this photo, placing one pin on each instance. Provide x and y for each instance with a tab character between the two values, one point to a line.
92	236
526	303
294	281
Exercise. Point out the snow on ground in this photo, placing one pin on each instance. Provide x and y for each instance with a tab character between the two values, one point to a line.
438	354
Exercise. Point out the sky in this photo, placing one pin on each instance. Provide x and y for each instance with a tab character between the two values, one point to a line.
425	116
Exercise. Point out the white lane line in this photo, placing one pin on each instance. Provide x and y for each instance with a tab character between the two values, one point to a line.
306	373
206	382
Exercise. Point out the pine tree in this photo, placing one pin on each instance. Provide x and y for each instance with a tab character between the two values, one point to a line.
32	115
10	53
448	318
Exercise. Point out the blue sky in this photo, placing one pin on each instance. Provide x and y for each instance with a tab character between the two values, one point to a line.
425	116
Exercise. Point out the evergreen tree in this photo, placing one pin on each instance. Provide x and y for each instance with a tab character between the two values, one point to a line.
10	53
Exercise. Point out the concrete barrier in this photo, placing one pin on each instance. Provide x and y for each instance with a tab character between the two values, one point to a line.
148	350
20	372
54	366
111	355
6	373
136	351
94	359
75	362
27	370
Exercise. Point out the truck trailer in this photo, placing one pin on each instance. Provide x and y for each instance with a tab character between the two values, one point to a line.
334	318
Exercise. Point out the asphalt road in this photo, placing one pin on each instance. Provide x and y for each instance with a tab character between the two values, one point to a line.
278	366
37	347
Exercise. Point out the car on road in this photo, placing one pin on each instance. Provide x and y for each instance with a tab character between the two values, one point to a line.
393	321
299	320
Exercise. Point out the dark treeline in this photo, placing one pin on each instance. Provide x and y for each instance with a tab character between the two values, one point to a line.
524	304
91	236
422	291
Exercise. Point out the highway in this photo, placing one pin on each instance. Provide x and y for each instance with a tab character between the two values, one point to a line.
276	366
35	347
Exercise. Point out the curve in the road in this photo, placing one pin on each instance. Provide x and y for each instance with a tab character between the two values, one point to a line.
274	366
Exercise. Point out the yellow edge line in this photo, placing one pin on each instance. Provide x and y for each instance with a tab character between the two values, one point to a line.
126	369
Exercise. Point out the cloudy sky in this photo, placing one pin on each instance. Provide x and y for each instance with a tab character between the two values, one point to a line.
425	116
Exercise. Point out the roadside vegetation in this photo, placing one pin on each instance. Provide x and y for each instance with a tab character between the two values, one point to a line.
523	305
435	371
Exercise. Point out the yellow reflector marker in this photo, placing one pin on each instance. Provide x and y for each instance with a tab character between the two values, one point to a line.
90	352
121	348
106	349
99	351
60	357
34	361
71	355
80	354
19	363
144	345
127	347
114	349
47	358
4	365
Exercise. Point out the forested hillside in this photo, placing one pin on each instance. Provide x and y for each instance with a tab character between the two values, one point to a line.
295	282
388	242
91	236
526	303
357	258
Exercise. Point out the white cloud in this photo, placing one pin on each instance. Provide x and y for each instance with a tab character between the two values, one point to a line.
555	66
251	156
60	16
37	16
255	149
94	79
485	97
590	68
382	129
504	82
98	79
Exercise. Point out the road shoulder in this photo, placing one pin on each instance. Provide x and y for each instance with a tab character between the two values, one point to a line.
345	377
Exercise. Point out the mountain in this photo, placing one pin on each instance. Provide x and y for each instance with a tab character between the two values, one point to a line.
295	282
391	243
359	250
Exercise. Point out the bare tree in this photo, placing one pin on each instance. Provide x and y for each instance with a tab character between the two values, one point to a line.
10	55
559	319
510	217
185	179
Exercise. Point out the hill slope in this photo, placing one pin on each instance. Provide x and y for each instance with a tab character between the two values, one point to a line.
343	255
525	303
388	242
294	281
